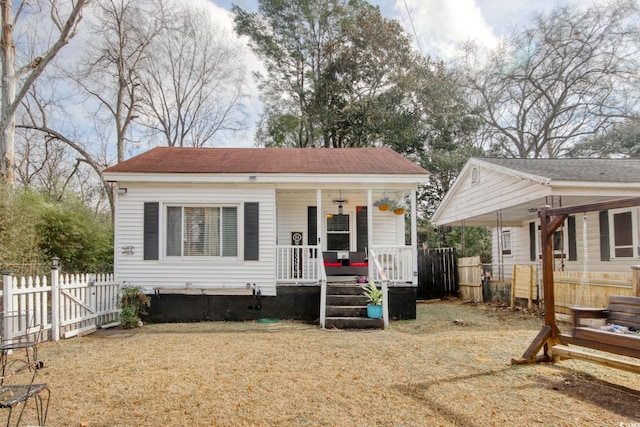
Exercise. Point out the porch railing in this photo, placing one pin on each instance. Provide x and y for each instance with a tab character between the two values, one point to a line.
302	264
298	264
397	262
380	272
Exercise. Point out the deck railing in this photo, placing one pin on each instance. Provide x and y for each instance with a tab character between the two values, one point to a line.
381	274
397	262
298	264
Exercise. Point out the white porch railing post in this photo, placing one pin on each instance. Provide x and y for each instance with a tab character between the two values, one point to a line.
7	296
55	299
323	288
414	238
385	303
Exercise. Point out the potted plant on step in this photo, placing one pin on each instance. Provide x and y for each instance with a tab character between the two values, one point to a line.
374	300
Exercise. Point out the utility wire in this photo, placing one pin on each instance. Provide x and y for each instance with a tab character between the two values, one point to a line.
413	28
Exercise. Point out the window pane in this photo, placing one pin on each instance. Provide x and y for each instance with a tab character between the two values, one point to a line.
174	231
229	232
623	252
338	223
211	244
506	240
622	229
193	231
337	242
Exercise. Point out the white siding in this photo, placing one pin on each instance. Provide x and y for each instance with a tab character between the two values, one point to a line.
520	248
206	272
494	191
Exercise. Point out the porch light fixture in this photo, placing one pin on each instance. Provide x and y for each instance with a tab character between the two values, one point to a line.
340	201
121	190
252	178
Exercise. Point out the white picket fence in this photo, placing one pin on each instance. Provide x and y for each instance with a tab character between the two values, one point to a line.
64	304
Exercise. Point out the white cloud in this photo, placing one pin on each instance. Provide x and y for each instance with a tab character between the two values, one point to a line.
441	25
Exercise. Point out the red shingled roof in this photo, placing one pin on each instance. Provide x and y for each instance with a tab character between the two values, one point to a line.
270	160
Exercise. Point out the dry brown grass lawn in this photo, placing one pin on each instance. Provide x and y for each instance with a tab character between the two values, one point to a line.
450	367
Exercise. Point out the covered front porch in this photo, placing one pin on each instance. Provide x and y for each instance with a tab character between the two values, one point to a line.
344	235
339	227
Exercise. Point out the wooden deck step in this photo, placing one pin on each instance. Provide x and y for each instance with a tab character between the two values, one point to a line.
560	352
346	308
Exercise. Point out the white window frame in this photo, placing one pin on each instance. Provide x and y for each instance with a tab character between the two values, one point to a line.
635	233
350	233
165	239
507	236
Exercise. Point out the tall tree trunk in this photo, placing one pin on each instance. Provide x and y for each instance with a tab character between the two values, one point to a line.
7	117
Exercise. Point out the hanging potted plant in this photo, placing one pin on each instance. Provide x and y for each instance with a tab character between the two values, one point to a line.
384	204
374	300
399	208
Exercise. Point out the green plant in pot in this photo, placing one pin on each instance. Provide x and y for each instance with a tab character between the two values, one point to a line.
374	300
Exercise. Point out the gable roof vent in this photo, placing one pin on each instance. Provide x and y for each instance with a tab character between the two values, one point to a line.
475	175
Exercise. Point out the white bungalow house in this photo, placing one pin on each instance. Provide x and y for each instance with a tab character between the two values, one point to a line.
246	233
505	194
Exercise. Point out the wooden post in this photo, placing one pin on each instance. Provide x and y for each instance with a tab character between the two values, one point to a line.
547	268
514	279
635	279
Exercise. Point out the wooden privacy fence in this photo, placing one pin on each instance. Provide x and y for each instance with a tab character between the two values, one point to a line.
66	305
575	288
437	273
470	278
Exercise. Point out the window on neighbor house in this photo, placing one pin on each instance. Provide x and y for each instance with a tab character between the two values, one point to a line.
202	231
338	234
624	232
506	242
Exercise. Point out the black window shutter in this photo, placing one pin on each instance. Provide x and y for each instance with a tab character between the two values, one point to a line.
151	230
571	231
312	225
604	236
251	231
532	242
362	228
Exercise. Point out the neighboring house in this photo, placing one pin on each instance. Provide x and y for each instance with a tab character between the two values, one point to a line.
505	194
208	230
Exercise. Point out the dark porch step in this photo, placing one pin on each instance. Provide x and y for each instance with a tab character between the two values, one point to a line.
342	300
346	311
346	289
353	323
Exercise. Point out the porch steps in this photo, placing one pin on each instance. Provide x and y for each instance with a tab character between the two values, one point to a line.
347	308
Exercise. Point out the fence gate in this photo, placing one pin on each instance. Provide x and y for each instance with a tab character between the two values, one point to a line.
66	305
437	273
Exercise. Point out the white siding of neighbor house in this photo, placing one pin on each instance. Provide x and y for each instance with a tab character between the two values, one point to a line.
494	191
520	248
201	273
388	229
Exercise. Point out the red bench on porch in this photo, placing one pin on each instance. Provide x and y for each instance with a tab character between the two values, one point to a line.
356	265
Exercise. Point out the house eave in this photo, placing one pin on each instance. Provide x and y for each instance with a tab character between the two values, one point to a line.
264	178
